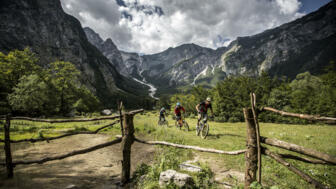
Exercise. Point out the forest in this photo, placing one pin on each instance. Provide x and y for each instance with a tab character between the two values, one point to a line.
306	93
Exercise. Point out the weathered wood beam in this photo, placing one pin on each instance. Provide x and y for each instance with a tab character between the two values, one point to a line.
295	170
210	150
73	120
32	140
330	120
72	153
299	149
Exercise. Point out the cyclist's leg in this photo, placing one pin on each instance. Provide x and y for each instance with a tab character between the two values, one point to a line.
199	118
205	117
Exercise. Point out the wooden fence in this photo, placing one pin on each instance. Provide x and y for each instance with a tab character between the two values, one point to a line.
254	148
127	138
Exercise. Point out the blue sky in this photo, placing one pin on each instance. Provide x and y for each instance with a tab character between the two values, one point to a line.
312	5
151	26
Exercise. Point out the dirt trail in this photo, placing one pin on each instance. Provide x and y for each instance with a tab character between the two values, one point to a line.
97	169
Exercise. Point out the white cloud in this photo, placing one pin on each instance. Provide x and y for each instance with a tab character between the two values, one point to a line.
210	23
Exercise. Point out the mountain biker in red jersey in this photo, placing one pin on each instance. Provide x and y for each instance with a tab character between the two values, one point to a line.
178	109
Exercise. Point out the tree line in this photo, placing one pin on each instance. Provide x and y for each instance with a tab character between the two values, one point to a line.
307	93
27	88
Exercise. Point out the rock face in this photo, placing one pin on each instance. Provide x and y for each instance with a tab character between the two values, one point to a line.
171	176
53	35
306	44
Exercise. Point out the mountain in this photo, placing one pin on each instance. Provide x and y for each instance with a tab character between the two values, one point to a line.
306	44
54	35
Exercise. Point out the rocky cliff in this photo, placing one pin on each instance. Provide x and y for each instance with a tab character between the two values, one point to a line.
45	28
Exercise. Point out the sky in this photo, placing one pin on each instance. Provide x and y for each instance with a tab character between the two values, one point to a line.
152	26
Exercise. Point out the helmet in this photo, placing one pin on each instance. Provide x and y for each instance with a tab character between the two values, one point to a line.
178	104
162	108
208	99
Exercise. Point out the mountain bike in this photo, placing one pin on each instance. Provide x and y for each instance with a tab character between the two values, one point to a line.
203	128
182	124
163	123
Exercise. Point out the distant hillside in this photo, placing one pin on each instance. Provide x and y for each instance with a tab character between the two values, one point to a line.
53	35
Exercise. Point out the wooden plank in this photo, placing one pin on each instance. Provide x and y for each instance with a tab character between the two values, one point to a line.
251	156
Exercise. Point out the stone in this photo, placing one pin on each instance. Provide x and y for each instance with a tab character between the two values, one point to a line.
180	179
106	112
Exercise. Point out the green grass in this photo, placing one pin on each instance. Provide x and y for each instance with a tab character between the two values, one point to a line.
232	136
222	136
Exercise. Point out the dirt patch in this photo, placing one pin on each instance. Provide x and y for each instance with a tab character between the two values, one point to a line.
97	169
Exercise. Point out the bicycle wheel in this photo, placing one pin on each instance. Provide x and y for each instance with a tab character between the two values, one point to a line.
186	126
166	123
198	128
205	130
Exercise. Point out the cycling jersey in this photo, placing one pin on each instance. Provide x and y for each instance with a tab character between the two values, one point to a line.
178	110
162	112
203	107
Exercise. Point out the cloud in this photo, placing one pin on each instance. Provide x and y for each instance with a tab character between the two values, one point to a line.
151	26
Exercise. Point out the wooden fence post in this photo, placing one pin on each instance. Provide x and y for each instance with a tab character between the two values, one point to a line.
9	165
126	144
251	156
255	117
121	121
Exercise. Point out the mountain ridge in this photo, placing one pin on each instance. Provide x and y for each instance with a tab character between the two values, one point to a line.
305	44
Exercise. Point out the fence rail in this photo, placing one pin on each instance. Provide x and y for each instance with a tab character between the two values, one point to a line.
330	120
71	120
254	140
33	140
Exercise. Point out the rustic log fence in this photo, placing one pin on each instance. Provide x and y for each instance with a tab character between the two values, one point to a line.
254	148
10	164
252	152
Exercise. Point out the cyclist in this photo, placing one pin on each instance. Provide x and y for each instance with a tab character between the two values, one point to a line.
162	114
178	109
202	109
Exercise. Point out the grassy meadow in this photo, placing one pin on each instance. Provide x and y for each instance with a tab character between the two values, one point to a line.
222	136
